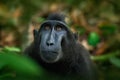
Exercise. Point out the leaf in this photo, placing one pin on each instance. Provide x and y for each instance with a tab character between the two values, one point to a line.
40	19
106	56
20	64
93	39
108	29
115	61
2	64
80	29
12	49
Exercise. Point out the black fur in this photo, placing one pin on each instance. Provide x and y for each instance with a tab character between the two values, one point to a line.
56	16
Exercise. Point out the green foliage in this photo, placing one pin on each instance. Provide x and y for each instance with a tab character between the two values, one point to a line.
109	65
13	49
93	38
18	63
110	73
80	30
115	61
108	29
106	56
12	63
12	21
72	2
40	19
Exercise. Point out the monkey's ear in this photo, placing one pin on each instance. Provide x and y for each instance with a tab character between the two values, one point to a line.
76	35
35	33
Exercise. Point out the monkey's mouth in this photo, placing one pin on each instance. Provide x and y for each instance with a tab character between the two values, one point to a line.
49	55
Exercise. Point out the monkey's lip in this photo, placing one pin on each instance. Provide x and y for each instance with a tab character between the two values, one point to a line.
48	51
52	53
49	55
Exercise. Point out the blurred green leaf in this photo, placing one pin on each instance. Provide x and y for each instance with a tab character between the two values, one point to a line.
80	29
40	19
115	61
15	49
20	64
106	56
2	64
108	29
12	22
93	39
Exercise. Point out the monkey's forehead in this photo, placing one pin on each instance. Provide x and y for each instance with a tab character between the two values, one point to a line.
54	22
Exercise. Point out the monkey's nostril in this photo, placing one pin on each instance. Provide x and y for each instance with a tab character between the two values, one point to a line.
49	44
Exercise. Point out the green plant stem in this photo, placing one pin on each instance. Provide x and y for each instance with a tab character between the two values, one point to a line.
105	57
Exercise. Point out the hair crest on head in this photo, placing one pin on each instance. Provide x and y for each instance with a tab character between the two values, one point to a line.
56	16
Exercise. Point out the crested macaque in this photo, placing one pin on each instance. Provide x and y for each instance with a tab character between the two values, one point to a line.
57	50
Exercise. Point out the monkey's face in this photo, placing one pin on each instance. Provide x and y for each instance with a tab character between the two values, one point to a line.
51	36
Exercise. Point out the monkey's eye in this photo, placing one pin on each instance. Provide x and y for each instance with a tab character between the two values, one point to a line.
58	28
47	27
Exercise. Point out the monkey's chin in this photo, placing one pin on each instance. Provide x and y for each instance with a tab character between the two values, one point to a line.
49	56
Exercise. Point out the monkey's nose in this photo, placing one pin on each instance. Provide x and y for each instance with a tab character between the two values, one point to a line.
50	40
49	43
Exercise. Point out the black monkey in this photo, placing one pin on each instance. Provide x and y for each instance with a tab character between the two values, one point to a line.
57	50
